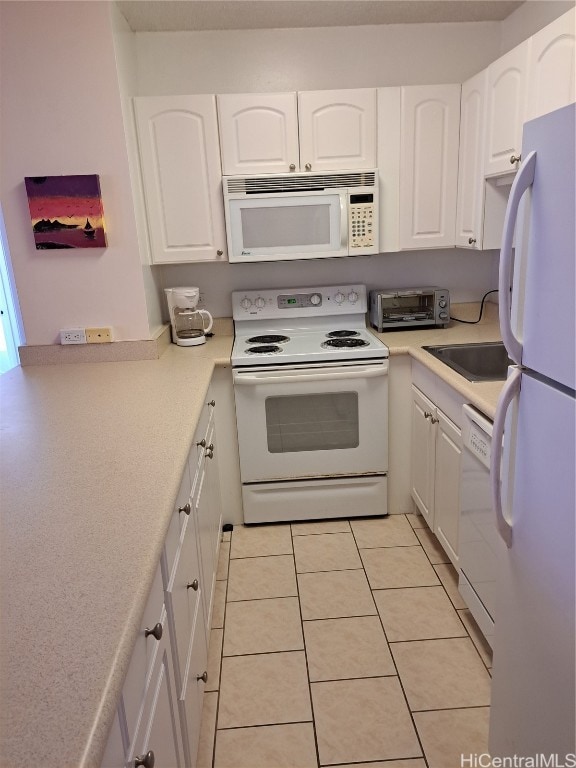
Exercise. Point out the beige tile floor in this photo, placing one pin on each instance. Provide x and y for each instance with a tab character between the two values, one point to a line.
342	643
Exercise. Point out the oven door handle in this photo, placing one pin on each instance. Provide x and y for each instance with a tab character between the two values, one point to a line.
352	373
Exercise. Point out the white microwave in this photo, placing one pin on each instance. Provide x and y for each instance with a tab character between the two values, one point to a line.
301	216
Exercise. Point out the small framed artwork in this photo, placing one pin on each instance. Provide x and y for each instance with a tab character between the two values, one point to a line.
66	211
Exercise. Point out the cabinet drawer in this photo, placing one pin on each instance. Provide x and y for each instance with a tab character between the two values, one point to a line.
159	730
203	438
177	524
145	650
183	597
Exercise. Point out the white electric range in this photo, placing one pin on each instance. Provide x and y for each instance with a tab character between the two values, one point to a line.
311	391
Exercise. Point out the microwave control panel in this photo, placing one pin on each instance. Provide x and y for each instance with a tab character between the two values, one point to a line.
361	214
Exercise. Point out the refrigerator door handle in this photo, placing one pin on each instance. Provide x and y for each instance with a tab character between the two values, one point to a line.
508	394
522	182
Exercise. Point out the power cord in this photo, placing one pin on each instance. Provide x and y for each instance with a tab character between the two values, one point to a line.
473	322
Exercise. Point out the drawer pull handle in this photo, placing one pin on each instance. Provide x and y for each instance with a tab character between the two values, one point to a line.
193	585
186	508
202	443
471	240
427	415
210	452
515	159
434	421
146	760
308	166
219	253
156	632
203	677
212	403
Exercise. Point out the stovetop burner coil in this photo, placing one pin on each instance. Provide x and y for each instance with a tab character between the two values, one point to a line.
346	343
342	334
270	338
264	349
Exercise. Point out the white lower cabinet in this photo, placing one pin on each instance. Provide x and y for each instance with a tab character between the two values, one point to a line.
435	477
158	717
158	741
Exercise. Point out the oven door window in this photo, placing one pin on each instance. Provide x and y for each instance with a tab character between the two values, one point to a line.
312	422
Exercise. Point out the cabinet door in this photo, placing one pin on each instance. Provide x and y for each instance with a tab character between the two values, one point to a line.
430	117
184	596
193	695
506	109
160	731
180	164
470	203
447	485
205	527
337	129
143	656
258	133
551	72
422	475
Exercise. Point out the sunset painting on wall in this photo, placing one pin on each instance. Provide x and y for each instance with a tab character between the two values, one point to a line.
66	211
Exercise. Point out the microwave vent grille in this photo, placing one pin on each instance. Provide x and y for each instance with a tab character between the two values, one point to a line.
308	182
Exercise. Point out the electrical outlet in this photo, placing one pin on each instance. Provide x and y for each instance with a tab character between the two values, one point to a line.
73	336
98	335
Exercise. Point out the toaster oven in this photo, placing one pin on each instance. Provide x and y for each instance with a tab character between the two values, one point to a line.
409	308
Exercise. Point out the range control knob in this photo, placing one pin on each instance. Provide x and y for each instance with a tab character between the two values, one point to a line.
442	303
246	303
443	315
352	297
339	298
260	302
315	299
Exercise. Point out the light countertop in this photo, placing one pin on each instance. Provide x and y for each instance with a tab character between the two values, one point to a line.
92	457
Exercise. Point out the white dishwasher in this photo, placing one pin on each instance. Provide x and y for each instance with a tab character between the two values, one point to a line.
479	542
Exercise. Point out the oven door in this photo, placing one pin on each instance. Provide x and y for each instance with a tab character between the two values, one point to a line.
308	225
305	422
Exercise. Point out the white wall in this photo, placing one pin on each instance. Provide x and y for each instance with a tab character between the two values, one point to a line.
307	59
60	113
125	49
528	19
318	58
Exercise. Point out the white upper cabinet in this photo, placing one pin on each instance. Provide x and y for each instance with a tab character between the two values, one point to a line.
258	133
506	110
470	204
429	128
311	131
551	70
180	164
337	129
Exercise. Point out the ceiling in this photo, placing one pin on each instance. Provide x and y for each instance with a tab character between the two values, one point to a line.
189	15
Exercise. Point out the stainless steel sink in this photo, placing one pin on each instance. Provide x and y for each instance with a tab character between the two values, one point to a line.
476	362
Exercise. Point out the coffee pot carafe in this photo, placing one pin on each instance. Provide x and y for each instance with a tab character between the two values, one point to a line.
189	325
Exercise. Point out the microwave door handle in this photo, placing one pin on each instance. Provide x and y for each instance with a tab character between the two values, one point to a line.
344	222
247	380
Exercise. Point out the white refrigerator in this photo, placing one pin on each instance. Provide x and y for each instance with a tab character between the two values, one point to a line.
533	476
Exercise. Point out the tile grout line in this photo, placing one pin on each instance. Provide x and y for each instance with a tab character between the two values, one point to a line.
391	654
305	654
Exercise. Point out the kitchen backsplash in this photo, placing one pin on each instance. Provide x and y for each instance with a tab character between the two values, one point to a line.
466	274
